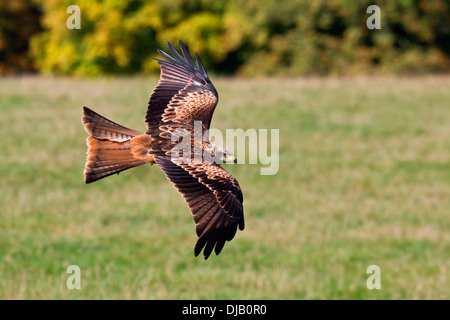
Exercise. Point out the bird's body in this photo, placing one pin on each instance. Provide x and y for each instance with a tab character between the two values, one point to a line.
179	114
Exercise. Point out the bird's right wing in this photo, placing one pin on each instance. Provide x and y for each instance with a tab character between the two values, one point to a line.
214	197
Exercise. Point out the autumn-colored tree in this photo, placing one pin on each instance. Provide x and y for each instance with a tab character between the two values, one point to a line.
251	37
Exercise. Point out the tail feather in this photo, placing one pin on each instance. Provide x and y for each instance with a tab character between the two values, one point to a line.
110	147
101	128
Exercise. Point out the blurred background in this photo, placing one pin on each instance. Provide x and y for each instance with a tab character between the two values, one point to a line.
364	149
245	37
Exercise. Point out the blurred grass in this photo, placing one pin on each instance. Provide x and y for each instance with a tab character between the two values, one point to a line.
364	179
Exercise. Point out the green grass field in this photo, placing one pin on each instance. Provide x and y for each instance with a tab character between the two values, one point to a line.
364	180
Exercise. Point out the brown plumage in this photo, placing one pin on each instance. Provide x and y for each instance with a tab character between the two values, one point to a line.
183	97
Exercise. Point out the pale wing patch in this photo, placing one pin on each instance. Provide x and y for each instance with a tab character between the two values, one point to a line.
212	172
190	106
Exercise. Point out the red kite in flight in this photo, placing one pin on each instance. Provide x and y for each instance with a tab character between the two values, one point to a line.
183	97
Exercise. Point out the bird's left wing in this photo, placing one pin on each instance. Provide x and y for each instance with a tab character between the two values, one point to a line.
183	95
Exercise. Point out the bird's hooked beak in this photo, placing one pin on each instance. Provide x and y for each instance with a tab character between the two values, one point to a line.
230	159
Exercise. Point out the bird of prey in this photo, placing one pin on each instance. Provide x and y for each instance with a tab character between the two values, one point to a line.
183	99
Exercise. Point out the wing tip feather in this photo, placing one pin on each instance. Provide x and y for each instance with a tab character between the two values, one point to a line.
179	59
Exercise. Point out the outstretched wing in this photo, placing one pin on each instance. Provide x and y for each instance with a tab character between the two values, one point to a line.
183	95
215	200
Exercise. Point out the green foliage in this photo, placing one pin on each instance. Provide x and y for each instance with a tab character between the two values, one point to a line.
307	37
19	20
250	37
115	37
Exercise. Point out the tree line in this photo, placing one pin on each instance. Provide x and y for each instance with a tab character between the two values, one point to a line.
246	37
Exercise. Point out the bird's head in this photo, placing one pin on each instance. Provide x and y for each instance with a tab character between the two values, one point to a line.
228	157
222	155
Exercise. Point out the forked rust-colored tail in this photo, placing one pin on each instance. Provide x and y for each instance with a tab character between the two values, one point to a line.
112	148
